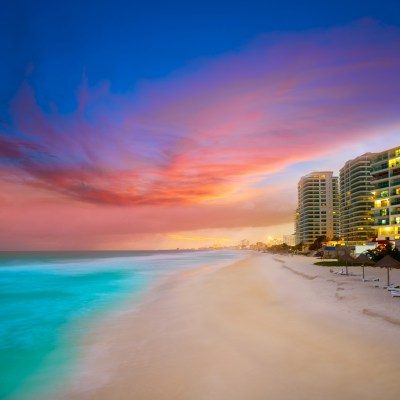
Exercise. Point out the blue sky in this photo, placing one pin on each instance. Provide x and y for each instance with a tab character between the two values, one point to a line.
132	124
127	42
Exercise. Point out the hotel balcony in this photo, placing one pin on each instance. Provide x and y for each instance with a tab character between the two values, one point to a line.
379	168
382	185
379	159
382	222
395	211
379	214
311	196
395	182
310	207
395	171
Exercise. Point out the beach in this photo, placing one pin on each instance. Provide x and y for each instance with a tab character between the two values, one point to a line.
266	327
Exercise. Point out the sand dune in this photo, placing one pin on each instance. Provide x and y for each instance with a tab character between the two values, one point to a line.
267	327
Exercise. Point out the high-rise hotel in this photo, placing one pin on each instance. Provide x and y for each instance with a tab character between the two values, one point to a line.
369	200
318	207
386	181
356	200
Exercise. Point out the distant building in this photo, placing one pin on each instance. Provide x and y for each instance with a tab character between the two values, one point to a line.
356	200
273	241
386	180
290	240
318	207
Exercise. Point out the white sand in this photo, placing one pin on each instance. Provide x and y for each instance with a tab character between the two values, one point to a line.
268	327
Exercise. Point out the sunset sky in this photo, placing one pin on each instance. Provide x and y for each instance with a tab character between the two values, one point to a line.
154	125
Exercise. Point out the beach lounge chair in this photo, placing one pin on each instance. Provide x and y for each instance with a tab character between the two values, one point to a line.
371	279
393	286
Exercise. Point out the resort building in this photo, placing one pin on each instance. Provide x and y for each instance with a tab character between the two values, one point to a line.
356	200
386	180
318	207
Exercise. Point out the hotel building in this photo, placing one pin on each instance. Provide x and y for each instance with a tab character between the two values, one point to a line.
318	207
356	200
386	180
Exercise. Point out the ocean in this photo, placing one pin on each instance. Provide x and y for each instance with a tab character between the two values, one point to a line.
49	299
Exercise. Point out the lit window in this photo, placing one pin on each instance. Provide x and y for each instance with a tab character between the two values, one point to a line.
384	193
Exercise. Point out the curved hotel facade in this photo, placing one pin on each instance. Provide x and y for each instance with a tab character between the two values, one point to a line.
318	207
356	200
386	180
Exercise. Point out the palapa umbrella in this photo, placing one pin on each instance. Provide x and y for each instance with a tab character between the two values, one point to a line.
346	258
364	260
388	262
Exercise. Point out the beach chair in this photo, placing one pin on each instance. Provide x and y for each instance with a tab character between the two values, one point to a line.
393	286
371	279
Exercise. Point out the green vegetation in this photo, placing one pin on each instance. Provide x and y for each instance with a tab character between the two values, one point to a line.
285	249
318	243
380	252
280	248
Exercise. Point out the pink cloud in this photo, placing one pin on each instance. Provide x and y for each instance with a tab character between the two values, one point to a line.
207	132
32	221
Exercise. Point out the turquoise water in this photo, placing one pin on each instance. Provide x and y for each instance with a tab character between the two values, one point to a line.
47	299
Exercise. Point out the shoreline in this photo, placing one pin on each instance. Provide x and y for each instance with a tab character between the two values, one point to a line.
265	325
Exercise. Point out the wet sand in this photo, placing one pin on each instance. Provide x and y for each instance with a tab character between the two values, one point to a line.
267	327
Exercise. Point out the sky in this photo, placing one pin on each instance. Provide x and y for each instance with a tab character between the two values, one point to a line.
158	125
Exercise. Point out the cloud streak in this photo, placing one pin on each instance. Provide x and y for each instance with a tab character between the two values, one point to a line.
202	136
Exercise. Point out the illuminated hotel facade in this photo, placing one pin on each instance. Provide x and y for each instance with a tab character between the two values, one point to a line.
356	199
386	193
318	207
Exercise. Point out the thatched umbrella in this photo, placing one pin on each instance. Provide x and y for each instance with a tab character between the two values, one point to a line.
346	258
388	262
364	260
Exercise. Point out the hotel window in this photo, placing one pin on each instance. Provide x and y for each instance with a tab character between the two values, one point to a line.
384	193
